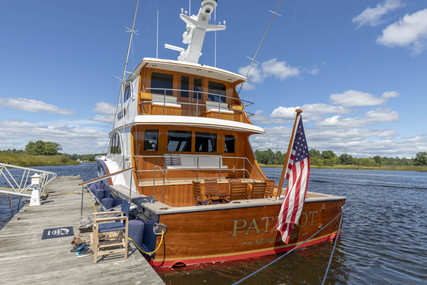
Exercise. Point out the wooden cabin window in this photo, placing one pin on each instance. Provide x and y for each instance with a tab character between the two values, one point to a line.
229	144
160	82
205	142
179	141
185	86
127	93
151	140
197	87
216	88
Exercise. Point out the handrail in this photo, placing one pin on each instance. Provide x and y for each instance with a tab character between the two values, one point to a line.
105	176
219	100
249	103
25	185
154	181
198	168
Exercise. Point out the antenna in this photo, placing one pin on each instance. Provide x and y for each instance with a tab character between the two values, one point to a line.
260	44
215	34
157	35
189	7
122	85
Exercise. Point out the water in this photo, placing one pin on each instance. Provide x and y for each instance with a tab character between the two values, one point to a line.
86	171
383	239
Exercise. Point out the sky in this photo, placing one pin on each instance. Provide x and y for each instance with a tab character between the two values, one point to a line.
357	69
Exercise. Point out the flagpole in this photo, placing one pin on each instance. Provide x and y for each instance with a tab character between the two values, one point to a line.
288	154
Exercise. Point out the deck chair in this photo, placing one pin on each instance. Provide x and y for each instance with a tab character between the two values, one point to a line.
258	190
269	188
211	190
198	194
116	221
237	191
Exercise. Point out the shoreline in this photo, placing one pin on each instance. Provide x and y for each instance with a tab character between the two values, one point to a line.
339	166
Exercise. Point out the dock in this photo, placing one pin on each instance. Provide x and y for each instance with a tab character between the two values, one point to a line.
26	258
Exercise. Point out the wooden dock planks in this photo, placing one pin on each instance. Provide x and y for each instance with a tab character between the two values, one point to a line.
27	259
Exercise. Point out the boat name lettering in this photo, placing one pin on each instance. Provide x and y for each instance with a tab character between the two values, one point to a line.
267	224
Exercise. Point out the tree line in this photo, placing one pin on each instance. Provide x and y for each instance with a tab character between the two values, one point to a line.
329	158
49	148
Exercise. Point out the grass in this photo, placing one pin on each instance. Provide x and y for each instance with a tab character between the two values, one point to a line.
26	160
385	167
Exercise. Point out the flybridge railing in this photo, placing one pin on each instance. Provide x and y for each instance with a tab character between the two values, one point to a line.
193	102
22	180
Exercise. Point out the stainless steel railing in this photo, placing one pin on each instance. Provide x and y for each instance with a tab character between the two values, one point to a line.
198	167
30	178
192	105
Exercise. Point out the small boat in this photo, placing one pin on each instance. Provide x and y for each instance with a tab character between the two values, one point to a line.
180	150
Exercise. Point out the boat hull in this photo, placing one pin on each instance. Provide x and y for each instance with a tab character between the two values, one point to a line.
239	233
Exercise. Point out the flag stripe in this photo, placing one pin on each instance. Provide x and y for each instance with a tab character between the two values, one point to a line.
297	173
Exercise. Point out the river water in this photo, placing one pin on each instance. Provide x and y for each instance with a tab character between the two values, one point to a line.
383	239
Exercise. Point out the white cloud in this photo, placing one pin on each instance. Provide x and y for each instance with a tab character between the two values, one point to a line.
271	68
371	117
260	118
310	111
353	98
16	134
374	16
410	31
279	69
106	112
357	142
25	104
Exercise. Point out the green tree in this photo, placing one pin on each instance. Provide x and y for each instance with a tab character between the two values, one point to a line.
377	159
42	148
421	159
347	159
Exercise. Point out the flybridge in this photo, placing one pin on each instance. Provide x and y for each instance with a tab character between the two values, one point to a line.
194	35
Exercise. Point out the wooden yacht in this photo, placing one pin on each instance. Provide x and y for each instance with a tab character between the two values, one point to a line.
183	132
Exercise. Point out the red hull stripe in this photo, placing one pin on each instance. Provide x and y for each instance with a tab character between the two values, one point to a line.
197	260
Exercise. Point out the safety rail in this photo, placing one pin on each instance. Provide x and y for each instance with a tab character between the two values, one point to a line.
215	103
30	179
198	167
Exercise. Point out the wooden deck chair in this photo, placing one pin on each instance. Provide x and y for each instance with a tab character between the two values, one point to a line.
103	224
237	191
211	190
198	194
269	188
258	190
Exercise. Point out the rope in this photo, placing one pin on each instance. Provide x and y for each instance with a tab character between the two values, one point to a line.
10	201
280	257
149	253
333	249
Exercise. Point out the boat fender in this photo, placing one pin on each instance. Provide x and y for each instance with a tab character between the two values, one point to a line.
158	229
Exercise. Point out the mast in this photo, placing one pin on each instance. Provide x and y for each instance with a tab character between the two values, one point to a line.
194	35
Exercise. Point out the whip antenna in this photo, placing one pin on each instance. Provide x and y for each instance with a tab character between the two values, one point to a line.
260	44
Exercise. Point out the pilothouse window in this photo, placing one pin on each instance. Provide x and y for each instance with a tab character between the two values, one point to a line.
185	84
151	140
216	88
179	141
205	142
161	83
127	93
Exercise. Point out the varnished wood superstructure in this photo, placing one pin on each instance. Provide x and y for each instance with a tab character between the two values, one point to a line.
180	124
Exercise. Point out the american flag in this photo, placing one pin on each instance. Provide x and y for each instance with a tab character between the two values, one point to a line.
297	173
